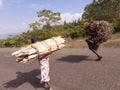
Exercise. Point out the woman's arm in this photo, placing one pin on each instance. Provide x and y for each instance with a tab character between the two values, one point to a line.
46	54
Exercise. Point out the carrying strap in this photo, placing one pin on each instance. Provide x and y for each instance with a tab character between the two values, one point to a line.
56	43
47	45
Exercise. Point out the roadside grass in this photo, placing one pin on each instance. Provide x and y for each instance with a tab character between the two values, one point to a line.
76	43
114	42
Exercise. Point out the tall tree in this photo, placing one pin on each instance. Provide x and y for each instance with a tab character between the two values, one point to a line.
34	26
102	10
48	17
45	18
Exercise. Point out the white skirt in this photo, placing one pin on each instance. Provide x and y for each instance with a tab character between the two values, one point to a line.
44	67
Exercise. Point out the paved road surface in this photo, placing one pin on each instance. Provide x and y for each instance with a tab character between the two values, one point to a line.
70	69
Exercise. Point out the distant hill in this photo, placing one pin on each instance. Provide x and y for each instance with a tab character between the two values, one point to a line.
5	36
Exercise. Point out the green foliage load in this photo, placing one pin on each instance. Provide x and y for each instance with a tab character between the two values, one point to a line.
98	31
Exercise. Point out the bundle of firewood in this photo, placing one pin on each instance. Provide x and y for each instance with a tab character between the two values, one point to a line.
98	31
31	52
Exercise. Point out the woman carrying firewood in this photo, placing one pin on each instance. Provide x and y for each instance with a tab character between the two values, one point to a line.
97	32
44	65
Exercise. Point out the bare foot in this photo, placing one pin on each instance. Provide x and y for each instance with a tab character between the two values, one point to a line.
99	58
50	89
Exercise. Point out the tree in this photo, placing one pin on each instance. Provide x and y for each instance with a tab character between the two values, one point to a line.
34	26
48	17
102	10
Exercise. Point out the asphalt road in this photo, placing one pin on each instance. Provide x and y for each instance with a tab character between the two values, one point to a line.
70	69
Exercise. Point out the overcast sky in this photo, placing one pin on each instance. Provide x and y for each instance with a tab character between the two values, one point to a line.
15	15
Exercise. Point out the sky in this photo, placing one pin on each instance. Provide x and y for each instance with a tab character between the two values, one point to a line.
16	15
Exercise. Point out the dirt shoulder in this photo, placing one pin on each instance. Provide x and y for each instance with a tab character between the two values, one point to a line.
113	42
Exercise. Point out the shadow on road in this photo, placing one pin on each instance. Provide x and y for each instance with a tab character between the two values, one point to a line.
27	77
75	58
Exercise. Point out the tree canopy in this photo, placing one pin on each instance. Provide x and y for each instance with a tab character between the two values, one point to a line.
48	17
102	10
45	18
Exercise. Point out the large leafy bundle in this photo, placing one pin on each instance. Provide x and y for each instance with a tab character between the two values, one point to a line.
98	31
